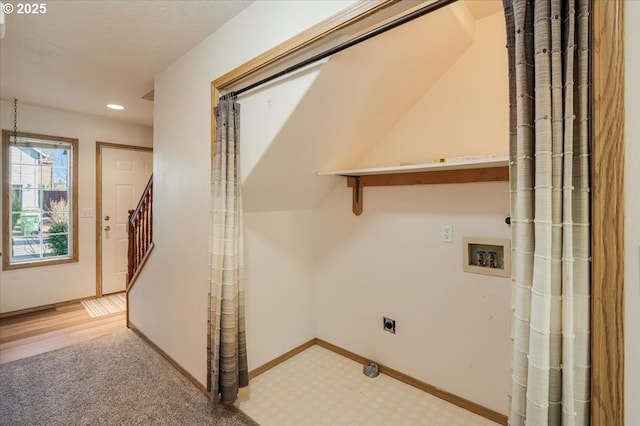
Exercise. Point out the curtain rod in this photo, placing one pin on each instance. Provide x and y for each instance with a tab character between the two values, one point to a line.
345	45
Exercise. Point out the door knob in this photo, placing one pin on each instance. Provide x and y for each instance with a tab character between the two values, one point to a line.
107	218
107	228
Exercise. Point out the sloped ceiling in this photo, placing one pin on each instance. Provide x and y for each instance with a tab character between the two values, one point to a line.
350	103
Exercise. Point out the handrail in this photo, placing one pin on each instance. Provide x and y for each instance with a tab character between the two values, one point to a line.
140	230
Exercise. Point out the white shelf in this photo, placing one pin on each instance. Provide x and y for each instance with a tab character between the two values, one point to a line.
486	169
424	167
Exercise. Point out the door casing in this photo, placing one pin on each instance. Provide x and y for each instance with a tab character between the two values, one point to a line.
98	213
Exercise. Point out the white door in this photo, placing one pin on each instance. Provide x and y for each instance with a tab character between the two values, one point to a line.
125	173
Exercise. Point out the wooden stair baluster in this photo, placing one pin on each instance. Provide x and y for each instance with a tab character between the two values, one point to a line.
140	234
131	249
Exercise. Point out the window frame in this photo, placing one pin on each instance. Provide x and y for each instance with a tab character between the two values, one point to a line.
6	204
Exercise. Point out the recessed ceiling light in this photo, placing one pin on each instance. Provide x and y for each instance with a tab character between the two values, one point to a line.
115	106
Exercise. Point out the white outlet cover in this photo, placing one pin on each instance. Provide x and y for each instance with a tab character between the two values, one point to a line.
446	233
87	212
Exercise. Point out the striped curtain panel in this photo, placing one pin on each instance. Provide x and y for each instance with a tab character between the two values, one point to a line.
227	344
548	46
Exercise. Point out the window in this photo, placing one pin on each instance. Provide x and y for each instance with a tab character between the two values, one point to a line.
40	202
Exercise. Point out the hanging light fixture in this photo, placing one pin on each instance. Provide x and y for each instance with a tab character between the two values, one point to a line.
15	121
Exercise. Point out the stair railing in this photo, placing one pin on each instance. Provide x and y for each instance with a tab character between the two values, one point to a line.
140	230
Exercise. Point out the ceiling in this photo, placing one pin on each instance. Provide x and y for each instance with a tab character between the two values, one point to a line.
82	55
331	115
483	8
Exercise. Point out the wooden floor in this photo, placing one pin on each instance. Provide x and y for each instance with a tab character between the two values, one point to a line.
35	333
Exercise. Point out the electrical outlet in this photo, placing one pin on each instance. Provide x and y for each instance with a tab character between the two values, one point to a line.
389	325
446	233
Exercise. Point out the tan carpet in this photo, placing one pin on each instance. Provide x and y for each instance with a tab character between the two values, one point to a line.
111	380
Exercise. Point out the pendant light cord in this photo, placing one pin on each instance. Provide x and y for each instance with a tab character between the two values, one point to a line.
15	121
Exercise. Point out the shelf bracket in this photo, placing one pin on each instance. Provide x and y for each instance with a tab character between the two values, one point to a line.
354	182
484	174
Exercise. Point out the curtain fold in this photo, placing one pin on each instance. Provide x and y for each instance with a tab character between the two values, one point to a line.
548	48
228	369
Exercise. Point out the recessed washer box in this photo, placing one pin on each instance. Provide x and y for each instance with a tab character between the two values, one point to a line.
487	256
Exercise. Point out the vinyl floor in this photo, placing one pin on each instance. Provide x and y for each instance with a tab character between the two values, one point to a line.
319	387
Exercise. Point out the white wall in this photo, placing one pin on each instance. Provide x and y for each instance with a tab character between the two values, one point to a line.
279	294
452	327
31	287
169	301
473	95
330	115
632	226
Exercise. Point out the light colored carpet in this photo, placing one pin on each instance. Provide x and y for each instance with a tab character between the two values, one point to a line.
111	380
106	305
